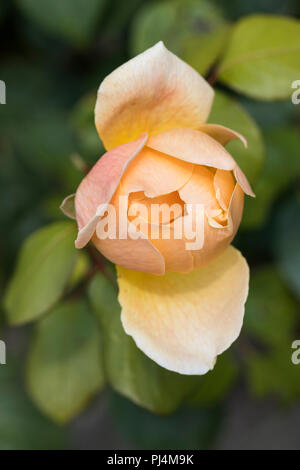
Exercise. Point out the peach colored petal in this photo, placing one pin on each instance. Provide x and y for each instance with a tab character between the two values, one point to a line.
217	237
184	321
98	187
176	256
200	190
224	186
132	253
171	202
192	146
139	255
242	180
155	174
197	147
160	231
222	134
151	93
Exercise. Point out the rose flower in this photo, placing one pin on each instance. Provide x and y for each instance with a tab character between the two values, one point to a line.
182	303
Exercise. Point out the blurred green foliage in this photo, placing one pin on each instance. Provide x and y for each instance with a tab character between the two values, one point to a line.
65	349
57	54
42	273
258	61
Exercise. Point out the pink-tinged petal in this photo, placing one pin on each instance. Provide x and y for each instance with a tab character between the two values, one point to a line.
222	134
184	321
155	174
151	93
197	147
98	187
224	186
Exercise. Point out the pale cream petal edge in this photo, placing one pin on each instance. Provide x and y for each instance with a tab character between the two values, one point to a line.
183	321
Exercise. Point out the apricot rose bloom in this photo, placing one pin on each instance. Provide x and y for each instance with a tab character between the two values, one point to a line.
182	307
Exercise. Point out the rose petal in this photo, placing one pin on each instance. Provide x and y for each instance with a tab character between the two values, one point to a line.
243	182
224	186
176	256
217	237
160	232
222	134
197	147
136	253
151	93
139	255
98	187
171	202
183	321
155	174
200	190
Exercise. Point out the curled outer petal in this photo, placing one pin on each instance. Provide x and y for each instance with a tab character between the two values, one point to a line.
153	92
99	186
183	321
222	134
197	147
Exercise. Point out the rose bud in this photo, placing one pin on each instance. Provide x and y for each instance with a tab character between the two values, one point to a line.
182	292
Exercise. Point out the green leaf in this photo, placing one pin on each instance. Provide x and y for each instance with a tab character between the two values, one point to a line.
281	169
228	112
22	427
44	267
81	269
128	370
287	243
64	367
263	57
184	429
201	51
194	30
83	123
72	20
214	387
274	374
271	310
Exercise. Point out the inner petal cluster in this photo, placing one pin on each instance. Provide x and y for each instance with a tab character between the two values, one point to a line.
163	191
